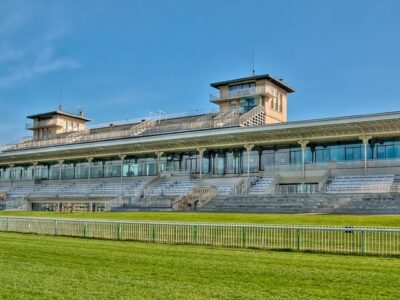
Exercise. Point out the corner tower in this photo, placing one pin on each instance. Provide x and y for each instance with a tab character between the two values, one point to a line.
52	124
260	92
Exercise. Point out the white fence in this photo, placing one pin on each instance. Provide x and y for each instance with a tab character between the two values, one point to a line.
345	240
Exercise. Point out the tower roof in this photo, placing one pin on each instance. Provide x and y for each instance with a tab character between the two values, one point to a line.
278	82
58	112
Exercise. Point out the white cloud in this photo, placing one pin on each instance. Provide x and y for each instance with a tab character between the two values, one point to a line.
28	51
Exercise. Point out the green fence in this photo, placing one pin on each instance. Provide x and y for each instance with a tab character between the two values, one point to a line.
347	240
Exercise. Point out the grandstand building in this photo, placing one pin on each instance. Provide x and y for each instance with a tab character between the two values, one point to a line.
245	157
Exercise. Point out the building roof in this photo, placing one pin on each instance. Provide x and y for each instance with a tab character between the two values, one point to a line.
319	130
58	112
268	77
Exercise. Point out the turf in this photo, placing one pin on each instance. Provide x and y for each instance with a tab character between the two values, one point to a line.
289	219
45	267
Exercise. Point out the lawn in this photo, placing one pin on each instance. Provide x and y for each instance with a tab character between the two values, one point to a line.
289	219
45	267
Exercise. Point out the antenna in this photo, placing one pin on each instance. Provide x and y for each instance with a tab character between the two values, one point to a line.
254	67
61	97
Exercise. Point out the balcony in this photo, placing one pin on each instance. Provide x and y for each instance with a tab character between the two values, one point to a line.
43	124
254	91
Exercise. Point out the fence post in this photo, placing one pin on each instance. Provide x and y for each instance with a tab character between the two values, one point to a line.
55	227
85	229
244	237
118	231
7	225
363	242
298	239
195	234
154	233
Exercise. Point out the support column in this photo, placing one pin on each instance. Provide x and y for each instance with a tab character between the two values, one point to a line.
34	164
122	157
89	159
60	164
159	155
365	140
248	147
303	145
201	153
11	173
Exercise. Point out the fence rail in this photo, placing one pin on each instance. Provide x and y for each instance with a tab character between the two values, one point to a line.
345	240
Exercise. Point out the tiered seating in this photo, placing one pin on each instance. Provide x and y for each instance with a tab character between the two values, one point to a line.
181	187
172	188
49	190
361	183
261	185
111	189
225	189
225	186
77	190
19	192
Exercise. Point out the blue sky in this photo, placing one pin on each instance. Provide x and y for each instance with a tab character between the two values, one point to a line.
122	59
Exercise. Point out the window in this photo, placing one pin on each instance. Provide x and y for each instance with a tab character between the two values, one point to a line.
241	86
280	102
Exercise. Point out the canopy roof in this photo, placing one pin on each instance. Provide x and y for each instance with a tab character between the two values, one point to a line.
278	82
58	112
320	130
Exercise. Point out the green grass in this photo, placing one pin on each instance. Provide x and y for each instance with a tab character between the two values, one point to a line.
45	267
289	219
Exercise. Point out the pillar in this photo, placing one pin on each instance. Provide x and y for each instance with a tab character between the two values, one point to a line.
159	155
34	164
89	159
201	153
365	140
303	145
11	173
248	149
122	157
60	164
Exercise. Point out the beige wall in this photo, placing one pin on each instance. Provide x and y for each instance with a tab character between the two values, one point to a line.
272	115
58	124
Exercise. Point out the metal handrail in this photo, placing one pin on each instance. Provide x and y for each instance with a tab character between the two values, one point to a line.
253	91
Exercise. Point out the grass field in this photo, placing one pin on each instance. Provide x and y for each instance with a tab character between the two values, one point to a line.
287	219
44	267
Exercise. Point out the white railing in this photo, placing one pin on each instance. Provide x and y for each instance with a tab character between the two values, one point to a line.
256	116
332	165
325	239
258	90
148	128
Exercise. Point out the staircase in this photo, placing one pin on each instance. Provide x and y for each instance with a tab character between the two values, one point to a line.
254	117
143	127
262	185
226	119
196	198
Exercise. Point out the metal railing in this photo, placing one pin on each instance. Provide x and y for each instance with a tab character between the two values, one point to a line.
344	240
149	129
39	124
333	165
296	189
254	91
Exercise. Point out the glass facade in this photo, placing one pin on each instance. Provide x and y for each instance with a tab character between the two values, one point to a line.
215	162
